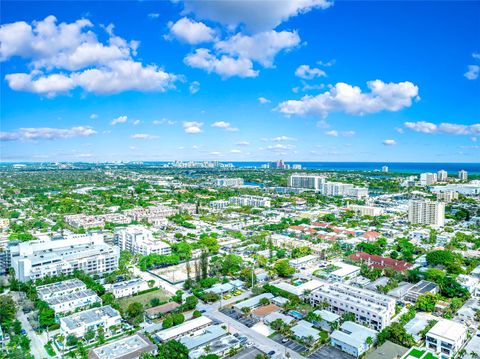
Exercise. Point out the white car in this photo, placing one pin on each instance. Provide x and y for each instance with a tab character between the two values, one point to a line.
249	344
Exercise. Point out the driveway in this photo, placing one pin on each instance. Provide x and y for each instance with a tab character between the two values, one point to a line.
36	344
328	352
291	344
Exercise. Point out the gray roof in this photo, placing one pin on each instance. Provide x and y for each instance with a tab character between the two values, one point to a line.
126	348
90	316
211	333
388	350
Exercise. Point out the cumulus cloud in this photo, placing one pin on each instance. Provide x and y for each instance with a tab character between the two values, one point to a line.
307	73
190	31
243	143
280	147
65	56
47	133
144	136
164	121
192	127
335	133
263	100
119	119
194	87
225	126
225	66
283	138
153	15
332	133
350	99
444	128
255	15
93	116
235	151
261	47
389	142
472	73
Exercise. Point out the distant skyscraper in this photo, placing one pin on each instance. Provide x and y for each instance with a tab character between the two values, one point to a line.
297	167
385	169
442	176
427	179
278	165
462	175
426	212
308	181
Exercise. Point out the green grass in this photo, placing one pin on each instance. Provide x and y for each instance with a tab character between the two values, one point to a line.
416	353
145	298
49	348
430	356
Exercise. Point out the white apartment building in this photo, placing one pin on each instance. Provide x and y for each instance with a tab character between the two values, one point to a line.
228	182
93	221
442	176
152	214
186	328
73	301
59	289
467	189
366	210
303	180
254	201
139	240
426	212
462	175
370	308
127	288
385	169
219	204
343	190
427	179
49	257
447	196
446	338
130	347
79	323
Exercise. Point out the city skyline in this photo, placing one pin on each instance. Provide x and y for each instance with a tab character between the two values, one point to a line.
307	81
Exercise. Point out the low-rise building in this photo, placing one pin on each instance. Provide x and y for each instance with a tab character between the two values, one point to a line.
59	289
159	310
328	320
190	327
375	261
366	210
79	323
302	290
127	288
131	347
421	288
140	240
219	204
303	330
446	338
253	201
304	261
344	272
73	301
353	338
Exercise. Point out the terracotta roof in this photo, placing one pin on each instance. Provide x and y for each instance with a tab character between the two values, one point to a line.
371	234
297	228
266	310
162	309
374	261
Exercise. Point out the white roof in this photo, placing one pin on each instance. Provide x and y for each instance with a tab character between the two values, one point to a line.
448	329
183	328
345	269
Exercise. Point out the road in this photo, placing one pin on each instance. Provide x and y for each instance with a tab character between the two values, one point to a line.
36	345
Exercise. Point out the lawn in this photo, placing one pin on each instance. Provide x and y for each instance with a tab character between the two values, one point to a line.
144	299
416	353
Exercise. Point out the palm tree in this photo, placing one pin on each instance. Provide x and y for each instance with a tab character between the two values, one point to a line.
369	341
245	311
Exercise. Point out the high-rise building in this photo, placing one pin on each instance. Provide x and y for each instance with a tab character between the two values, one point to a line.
303	180
426	212
427	179
462	175
442	176
297	166
385	169
138	239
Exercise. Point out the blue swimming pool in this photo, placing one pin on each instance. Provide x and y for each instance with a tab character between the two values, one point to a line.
295	314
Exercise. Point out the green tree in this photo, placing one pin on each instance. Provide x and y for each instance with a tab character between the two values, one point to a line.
7	311
135	312
426	302
283	268
172	350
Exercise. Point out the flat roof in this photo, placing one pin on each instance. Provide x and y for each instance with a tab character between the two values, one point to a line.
448	329
126	348
89	316
56	289
185	327
252	301
388	350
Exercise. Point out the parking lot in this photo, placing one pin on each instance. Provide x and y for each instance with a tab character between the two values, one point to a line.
291	344
248	322
248	353
328	352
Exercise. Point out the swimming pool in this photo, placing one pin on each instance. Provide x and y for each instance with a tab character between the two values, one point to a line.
295	314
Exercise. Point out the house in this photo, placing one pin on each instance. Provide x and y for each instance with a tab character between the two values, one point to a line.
261	312
301	290
79	323
421	288
375	261
131	347
469	282
303	262
127	288
388	350
303	329
268	319
353	338
159	310
344	272
446	337
329	320
191	326
252	303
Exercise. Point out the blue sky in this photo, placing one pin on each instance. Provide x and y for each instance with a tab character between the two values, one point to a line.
240	81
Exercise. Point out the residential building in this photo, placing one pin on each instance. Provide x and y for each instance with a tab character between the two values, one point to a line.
446	337
59	289
375	261
328	320
94	221
426	212
302	290
370	308
306	181
304	330
70	302
344	272
253	201
131	347
353	338
261	312
252	303
54	256
388	350
155	312
385	169
189	327
442	176
228	182
220	204
4	223
421	288
447	196
270	318
139	240
304	261
127	288
213	340
427	179
467	189
366	210
462	175
79	323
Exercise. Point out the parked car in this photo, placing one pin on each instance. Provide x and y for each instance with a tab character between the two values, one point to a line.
285	340
271	353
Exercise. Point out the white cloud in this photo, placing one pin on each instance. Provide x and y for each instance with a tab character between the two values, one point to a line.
389	142
93	116
144	136
225	126
224	66
307	73
332	133
190	31
476	55
280	147
192	127
215	153
47	133
66	56
283	138
119	119
255	15
444	128
235	151
326	64
261	47
472	73
136	122
263	100
350	99
194	87
164	121
243	143
153	15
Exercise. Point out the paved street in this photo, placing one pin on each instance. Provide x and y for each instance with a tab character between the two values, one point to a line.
36	345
